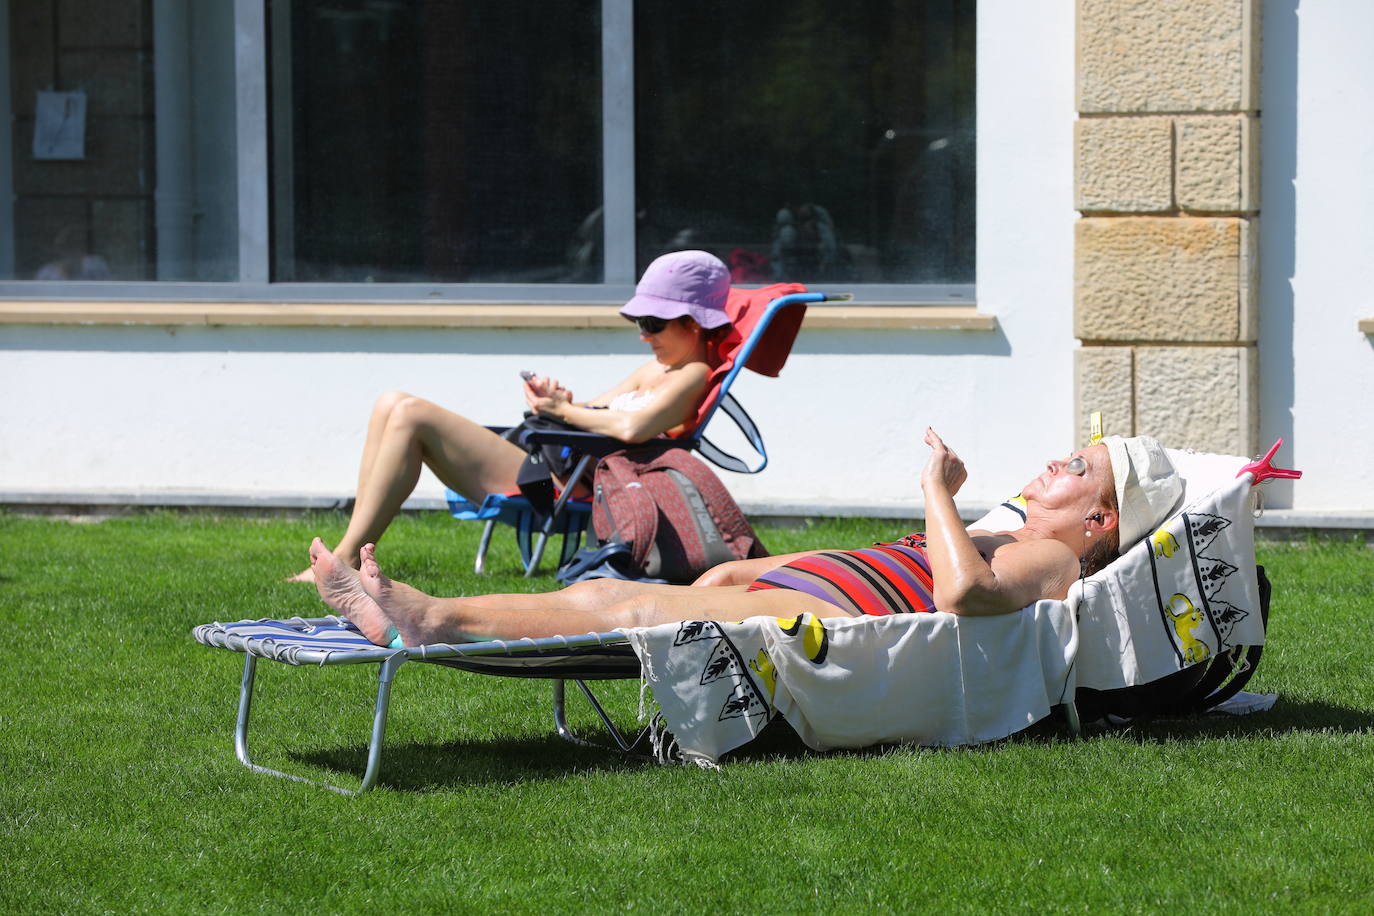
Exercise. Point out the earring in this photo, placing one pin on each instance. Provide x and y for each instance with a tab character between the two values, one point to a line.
1087	533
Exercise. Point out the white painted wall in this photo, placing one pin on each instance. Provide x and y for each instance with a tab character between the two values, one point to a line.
281	411
1317	254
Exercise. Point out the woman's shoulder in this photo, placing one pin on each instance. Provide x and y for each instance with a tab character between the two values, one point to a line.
692	373
1040	552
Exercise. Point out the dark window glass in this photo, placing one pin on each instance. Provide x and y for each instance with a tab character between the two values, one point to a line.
122	142
811	140
439	141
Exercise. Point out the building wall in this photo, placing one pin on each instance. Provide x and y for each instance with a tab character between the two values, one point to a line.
1316	369
281	410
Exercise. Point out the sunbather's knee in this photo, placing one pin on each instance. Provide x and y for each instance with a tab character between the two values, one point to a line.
727	573
411	413
594	594
639	611
387	401
591	591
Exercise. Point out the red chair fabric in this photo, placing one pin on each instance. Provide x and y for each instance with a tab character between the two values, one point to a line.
745	307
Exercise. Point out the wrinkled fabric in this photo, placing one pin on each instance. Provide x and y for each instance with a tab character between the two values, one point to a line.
1181	596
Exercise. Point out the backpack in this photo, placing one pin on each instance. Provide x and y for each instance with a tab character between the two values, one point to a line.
672	514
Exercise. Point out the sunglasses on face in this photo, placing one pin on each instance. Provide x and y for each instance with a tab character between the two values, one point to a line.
649	324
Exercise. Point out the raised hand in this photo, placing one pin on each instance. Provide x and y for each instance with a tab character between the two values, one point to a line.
943	468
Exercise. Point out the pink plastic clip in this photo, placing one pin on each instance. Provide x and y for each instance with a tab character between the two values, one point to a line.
1263	469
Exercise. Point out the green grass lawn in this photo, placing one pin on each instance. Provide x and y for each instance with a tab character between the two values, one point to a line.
119	791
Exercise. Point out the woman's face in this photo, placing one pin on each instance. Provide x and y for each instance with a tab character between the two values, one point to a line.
676	342
1078	481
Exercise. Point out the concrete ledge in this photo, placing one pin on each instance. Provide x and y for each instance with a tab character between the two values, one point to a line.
73	503
495	315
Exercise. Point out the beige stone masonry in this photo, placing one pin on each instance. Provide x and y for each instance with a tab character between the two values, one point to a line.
1168	55
1198	397
1154	164
1167	178
1217	163
1164	279
1105	383
1124	164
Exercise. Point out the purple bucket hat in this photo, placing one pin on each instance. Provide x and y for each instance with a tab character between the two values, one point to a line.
691	283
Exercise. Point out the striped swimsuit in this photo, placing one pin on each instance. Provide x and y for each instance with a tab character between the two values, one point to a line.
883	579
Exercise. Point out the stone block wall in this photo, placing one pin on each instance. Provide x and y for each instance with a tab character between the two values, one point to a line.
1167	184
102	204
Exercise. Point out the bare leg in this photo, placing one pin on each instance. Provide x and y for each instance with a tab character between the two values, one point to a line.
423	619
593	594
340	588
376	425
464	455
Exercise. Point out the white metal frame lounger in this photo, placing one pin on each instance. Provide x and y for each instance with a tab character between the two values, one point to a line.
1131	643
335	641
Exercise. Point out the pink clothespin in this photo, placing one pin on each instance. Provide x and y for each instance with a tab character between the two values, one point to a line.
1264	469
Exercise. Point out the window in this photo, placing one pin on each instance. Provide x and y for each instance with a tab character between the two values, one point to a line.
121	154
809	141
553	149
435	141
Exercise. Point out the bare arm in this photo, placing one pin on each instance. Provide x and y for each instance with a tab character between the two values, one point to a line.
1020	572
673	403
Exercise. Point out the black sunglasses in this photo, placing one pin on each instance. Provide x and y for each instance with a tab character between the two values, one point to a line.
649	324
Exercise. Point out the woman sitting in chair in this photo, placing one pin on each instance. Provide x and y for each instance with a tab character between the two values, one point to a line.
679	307
1080	512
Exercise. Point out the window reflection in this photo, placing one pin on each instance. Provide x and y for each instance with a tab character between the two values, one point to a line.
810	141
460	141
148	193
437	141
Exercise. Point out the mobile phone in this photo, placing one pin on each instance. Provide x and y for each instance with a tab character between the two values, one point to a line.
526	374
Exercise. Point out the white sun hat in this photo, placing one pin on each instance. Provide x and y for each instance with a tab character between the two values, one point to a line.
1148	488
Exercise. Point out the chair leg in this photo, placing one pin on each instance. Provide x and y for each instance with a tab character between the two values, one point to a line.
385	675
480	566
578	470
560	719
539	545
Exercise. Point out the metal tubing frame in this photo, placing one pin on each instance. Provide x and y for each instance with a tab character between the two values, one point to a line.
388	662
560	720
386	673
479	565
538	553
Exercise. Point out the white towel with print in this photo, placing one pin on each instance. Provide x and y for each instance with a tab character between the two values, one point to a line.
840	682
1181	596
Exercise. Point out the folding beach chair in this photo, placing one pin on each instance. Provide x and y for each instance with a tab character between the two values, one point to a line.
1181	613
764	324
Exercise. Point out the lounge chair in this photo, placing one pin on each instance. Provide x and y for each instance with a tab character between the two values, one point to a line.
765	323
1184	603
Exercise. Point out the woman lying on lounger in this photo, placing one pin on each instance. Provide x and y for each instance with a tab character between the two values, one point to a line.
679	307
1079	513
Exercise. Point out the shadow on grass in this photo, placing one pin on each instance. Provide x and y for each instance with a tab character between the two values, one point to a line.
417	767
1286	717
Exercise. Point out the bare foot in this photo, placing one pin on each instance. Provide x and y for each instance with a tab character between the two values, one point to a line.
409	609
340	588
305	575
